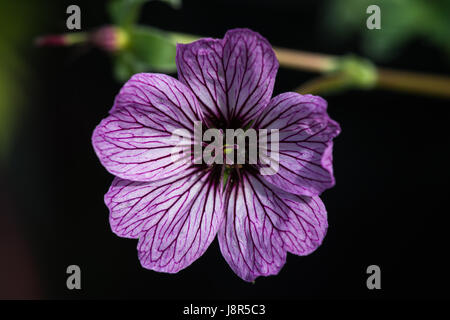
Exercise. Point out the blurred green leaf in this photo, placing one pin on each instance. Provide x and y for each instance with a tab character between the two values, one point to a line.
126	12
149	49
401	22
10	97
16	31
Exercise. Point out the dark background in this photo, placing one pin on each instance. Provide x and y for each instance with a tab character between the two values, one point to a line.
388	208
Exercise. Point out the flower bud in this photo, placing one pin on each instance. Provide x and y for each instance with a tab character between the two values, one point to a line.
109	38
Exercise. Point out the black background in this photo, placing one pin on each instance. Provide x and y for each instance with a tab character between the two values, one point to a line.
388	208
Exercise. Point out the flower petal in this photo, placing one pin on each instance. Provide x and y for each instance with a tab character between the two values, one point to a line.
135	141
305	147
233	78
175	219
263	222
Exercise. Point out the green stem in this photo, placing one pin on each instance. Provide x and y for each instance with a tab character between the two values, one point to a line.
412	82
305	60
323	84
340	72
183	37
76	37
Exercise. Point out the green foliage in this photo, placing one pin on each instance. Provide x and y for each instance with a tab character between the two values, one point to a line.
401	22
149	49
358	72
16	31
125	13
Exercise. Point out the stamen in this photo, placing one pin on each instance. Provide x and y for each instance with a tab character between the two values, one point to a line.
227	148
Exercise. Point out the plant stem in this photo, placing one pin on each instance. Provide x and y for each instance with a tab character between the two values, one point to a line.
58	40
305	60
413	82
323	84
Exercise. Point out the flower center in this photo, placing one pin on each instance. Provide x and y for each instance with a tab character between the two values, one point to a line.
234	148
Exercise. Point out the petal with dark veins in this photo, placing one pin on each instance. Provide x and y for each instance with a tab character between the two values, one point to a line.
152	120
263	222
175	220
232	78
305	143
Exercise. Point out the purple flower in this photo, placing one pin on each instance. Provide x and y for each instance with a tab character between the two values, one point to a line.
176	208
